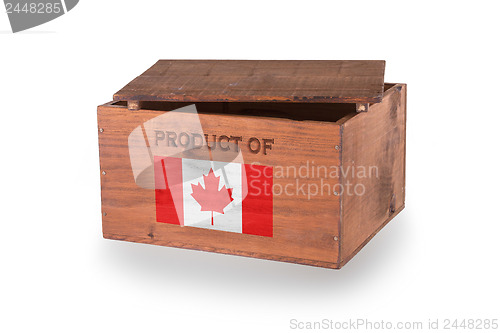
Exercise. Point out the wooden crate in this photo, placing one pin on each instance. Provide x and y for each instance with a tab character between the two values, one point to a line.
325	138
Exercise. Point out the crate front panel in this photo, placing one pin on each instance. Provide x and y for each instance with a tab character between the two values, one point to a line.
304	160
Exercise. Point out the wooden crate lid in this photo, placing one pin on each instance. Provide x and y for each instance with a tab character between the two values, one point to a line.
310	81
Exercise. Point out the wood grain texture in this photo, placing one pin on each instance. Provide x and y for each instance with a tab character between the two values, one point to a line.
304	229
373	139
307	81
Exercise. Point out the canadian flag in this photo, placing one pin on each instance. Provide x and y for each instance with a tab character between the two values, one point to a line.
214	195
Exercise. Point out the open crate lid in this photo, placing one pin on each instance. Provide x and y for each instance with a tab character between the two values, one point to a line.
305	81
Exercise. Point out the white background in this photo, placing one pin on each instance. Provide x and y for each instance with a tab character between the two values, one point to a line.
437	259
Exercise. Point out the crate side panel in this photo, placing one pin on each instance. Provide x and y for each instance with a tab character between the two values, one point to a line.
305	223
373	161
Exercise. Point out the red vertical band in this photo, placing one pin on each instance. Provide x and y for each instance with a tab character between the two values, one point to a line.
257	207
168	182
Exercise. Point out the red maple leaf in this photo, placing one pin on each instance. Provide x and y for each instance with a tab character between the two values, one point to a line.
211	198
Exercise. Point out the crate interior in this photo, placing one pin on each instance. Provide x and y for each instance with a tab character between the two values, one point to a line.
330	112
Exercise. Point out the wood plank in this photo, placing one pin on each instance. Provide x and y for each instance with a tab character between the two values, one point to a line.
306	229
306	81
374	139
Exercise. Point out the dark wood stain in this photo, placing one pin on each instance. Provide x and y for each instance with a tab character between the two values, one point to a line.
305	81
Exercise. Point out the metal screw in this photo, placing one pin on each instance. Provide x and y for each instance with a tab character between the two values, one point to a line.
104	214
335	193
103	173
101	130
335	238
337	147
